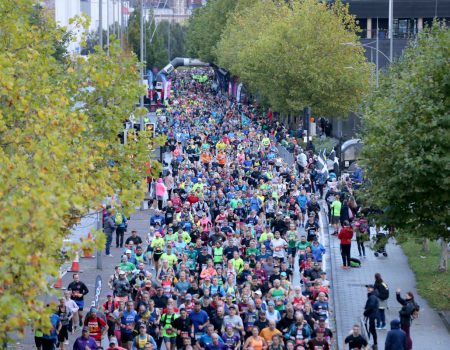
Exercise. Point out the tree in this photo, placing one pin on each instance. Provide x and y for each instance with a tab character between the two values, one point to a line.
174	35
59	154
407	141
206	26
293	55
155	51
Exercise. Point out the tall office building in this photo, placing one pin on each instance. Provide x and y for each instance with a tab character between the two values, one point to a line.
410	16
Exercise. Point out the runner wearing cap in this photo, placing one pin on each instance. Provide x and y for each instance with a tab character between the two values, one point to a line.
114	344
96	325
85	341
143	339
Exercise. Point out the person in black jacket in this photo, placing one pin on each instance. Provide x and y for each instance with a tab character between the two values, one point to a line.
406	312
279	224
79	290
382	291
344	213
396	338
371	312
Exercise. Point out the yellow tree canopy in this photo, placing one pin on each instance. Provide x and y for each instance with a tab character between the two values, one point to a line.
56	161
294	55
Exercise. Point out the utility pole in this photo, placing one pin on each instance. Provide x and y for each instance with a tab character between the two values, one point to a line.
376	58
168	39
100	23
99	228
141	98
107	26
114	17
391	29
119	30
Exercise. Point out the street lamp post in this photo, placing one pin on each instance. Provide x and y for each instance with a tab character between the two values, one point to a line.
141	98
391	31
107	26
377	50
100	23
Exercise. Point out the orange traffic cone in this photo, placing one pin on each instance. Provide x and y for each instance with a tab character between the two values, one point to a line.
59	282
75	264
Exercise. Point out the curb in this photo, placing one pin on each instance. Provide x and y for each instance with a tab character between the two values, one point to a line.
445	319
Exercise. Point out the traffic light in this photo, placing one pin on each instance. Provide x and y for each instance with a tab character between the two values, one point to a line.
150	127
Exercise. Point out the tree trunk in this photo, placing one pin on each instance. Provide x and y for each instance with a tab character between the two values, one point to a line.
443	260
426	245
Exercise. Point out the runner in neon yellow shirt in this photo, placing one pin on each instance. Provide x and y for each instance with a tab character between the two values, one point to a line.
265	142
237	262
169	257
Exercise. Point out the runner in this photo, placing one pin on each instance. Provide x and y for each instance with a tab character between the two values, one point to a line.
79	290
232	217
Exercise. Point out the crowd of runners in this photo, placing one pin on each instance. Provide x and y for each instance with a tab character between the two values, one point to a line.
234	256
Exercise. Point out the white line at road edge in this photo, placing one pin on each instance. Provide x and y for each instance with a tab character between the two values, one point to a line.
322	240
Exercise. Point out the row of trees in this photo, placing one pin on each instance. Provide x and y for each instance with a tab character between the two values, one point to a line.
59	152
407	142
291	54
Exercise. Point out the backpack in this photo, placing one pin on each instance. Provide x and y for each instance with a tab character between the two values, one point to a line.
363	226
118	219
415	312
355	262
383	291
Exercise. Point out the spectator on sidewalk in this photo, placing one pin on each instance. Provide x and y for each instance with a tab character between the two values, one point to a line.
335	213
345	236
121	226
396	338
382	291
371	311
362	234
407	313
109	226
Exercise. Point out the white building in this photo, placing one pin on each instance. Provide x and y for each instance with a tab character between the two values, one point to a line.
113	11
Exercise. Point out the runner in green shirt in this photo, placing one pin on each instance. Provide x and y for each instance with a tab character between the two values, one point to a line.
170	257
292	238
237	262
252	249
301	247
218	253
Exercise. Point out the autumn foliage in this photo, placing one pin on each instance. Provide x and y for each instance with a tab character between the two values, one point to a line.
59	152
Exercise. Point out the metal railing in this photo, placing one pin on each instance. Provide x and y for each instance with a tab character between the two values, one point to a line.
286	155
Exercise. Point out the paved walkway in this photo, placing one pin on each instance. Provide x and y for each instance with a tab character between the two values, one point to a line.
428	332
349	294
139	221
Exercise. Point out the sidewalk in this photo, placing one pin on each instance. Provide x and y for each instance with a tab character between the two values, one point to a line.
139	221
350	295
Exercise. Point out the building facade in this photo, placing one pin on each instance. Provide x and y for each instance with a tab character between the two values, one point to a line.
113	12
174	10
409	18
